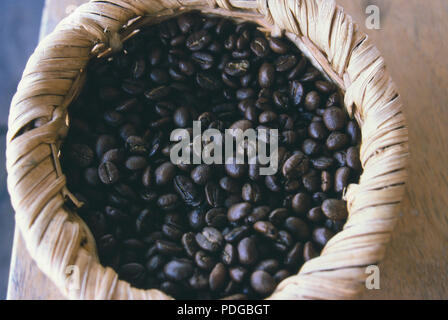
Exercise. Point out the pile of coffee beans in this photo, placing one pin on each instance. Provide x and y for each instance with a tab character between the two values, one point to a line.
208	231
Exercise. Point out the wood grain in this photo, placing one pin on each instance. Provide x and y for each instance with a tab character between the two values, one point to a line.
413	41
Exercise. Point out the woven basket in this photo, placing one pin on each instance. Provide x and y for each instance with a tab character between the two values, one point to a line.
58	239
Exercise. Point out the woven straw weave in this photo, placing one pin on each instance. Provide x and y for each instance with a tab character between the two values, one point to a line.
57	238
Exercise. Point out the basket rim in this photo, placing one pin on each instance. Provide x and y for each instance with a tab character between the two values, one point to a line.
57	238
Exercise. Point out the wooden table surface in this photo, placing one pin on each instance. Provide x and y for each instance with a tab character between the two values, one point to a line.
413	39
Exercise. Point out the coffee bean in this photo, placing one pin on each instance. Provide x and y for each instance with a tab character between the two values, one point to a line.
187	191
198	40
136	163
136	145
278	46
322	235
216	217
218	277
266	75
210	239
266	229
260	47
251	192
239	211
178	270
315	215
204	261
108	173
168	201
168	248
336	141
237	234
238	274
341	179
294	256
199	281
229	254
164	173
335	209
281	275
234	169
309	252
353	158
285	62
247	251
262	282
296	92
334	118
312	100
237	68
317	130
296	165
297	227
201	174
278	216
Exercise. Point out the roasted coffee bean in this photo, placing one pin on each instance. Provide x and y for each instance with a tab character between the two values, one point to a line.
238	274
235	170
216	217
311	181
104	143
208	81
168	248
341	179
237	68
115	155
294	256
155	263
136	145
335	209
270	266
108	173
309	252
266	75
311	147
198	40
354	133
236	234
278	216
297	227
262	282
229	254
296	92
281	275
218	277
214	195
352	158
198	281
312	100
260	47
136	163
239	211
336	141
266	229
251	192
285	62
322	235
202	174
168	201
204	261
278	46
315	215
317	130
210	239
229	184
273	183
187	191
296	165
189	244
247	251
178	269
334	118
